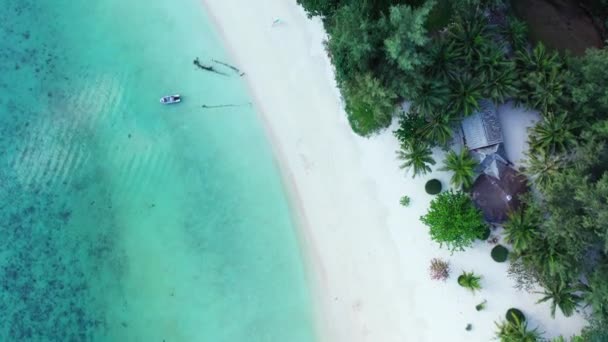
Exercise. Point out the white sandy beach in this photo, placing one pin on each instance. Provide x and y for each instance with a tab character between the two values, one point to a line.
367	256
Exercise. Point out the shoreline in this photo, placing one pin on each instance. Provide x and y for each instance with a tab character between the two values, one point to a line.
365	257
311	263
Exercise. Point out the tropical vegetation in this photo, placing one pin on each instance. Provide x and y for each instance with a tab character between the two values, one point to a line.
405	201
462	166
470	281
562	296
514	315
454	221
500	253
517	331
417	158
443	60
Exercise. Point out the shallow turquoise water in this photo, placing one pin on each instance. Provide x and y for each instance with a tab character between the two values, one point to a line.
125	220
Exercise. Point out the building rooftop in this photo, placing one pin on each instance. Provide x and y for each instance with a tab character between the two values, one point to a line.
497	191
482	128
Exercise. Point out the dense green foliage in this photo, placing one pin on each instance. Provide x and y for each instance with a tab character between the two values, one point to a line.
407	37
454	221
321	7
560	237
553	134
499	253
433	187
368	104
561	296
462	165
470	281
388	51
521	229
595	333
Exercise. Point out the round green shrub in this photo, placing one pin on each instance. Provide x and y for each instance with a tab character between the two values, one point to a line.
453	220
512	313
486	234
500	253
433	187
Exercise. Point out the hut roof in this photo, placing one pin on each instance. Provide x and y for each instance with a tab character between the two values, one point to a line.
497	191
487	156
482	129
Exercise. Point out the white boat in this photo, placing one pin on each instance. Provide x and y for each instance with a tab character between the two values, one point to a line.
170	99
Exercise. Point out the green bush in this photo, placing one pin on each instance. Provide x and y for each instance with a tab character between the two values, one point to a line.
405	201
486	234
500	253
517	331
369	105
470	281
514	315
453	220
433	187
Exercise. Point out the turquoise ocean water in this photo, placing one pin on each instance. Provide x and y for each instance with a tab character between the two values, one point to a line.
125	220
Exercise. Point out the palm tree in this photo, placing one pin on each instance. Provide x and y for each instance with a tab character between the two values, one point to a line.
438	128
492	61
499	78
547	259
409	131
500	87
465	94
521	229
553	134
541	167
417	157
462	165
537	60
517	33
543	81
443	61
517	331
470	36
562	296
596	293
470	280
430	97
545	89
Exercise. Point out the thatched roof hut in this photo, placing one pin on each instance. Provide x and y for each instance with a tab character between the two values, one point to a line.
497	191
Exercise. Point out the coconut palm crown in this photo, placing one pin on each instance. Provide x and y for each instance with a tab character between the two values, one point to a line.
416	157
553	134
462	165
465	94
562	296
521	229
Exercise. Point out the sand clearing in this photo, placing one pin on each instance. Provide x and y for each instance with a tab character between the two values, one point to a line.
515	122
367	256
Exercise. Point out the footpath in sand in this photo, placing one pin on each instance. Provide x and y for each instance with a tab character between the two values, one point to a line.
367	257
